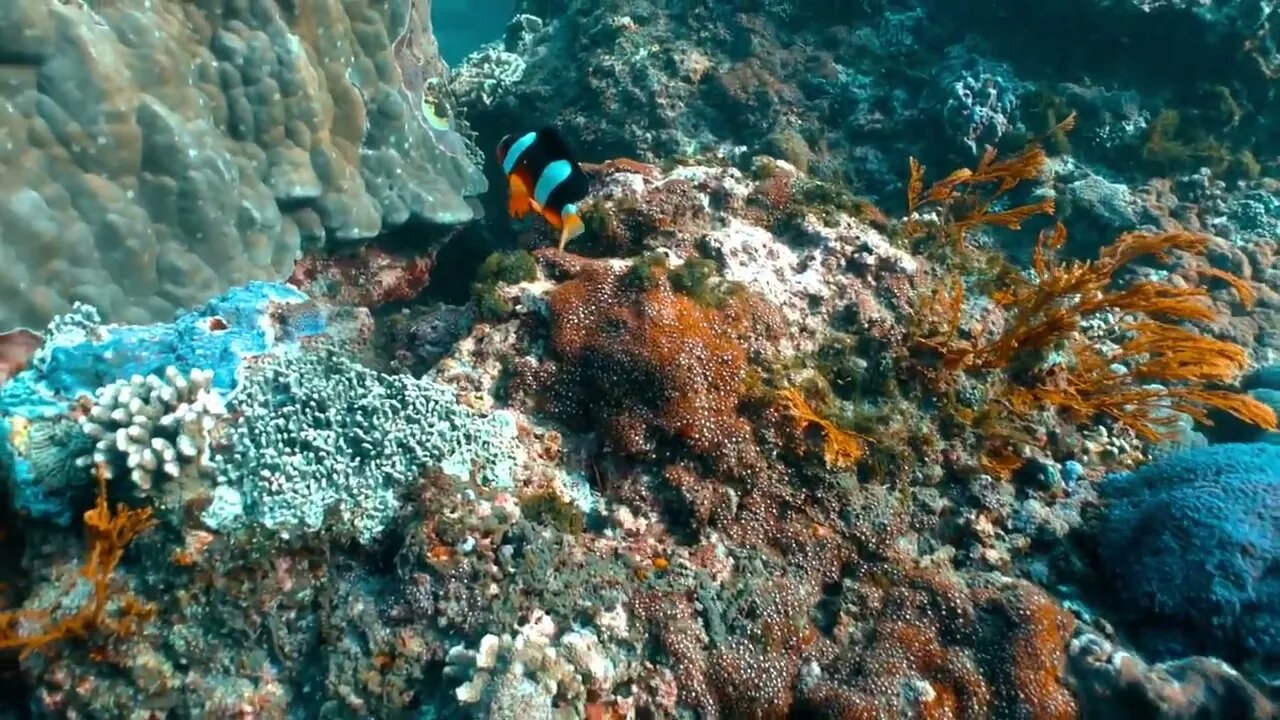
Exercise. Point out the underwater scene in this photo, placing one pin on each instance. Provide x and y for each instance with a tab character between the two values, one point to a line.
640	359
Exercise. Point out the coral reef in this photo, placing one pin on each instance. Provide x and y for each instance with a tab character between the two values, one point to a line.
720	485
48	418
841	94
792	429
1149	374
530	669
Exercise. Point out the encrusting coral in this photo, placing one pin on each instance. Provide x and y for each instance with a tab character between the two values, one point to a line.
318	432
648	363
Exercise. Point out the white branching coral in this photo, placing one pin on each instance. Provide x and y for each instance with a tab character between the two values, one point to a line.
154	428
485	75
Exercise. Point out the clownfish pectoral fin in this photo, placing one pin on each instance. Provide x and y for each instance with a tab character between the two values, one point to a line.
572	225
518	201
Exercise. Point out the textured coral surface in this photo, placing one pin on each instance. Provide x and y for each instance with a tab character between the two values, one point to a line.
158	154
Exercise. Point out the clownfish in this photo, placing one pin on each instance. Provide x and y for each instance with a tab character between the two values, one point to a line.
542	176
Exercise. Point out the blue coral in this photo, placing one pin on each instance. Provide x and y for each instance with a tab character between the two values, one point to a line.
80	354
1190	544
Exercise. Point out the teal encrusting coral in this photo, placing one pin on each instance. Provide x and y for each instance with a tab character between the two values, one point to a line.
81	354
318	432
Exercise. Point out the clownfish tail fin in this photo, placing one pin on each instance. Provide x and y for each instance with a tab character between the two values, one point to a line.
572	224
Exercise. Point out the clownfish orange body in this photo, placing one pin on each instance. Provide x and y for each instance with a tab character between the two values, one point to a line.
543	177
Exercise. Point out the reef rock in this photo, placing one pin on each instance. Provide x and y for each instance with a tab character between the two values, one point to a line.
159	154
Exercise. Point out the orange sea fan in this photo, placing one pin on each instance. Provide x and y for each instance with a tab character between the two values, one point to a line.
1169	369
1045	310
967	196
1167	366
108	533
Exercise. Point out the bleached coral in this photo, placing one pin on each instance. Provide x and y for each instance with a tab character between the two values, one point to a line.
154	428
561	669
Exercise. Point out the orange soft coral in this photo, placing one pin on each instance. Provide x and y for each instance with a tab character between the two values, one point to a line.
1160	364
841	449
647	363
966	197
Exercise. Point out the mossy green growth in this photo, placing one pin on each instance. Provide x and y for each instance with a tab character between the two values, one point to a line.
1176	145
645	271
700	280
838	360
500	268
546	507
820	195
491	306
597	221
508	268
791	146
825	201
1045	110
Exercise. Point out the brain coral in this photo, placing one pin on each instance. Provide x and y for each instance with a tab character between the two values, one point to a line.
1191	544
159	153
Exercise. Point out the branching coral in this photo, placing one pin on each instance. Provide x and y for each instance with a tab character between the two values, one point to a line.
107	612
153	427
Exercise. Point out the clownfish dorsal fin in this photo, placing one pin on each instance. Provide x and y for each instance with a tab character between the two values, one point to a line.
512	148
555	144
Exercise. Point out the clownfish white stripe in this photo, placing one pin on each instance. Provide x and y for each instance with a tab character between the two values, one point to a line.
517	148
552	175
